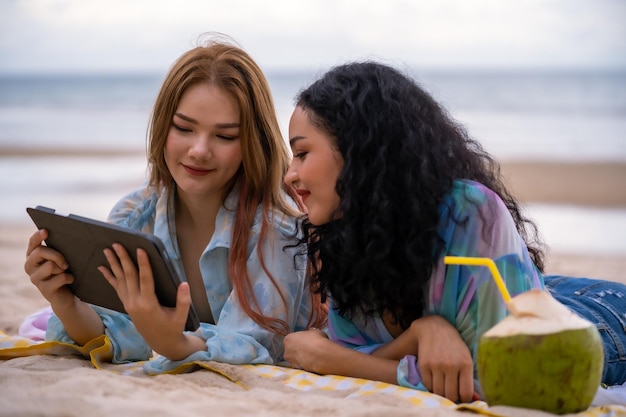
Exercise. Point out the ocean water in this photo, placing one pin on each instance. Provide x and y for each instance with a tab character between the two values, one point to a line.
568	116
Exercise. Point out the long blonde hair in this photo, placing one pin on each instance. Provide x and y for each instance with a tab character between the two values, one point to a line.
265	156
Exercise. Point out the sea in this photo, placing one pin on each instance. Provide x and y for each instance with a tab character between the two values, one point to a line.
76	142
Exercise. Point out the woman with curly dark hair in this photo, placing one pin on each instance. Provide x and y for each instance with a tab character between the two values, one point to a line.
392	185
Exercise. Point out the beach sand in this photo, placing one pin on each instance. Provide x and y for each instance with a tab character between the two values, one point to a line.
593	184
70	386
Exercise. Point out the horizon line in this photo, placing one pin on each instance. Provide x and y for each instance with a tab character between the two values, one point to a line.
312	70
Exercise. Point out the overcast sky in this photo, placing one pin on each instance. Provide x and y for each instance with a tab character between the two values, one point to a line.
147	35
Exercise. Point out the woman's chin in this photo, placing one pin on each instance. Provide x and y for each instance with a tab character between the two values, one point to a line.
317	220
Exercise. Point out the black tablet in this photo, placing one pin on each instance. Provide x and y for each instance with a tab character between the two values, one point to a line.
82	241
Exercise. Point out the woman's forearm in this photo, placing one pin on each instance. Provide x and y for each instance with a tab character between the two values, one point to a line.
180	349
407	343
398	348
81	322
339	360
312	351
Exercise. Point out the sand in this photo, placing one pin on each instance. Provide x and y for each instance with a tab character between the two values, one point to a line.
70	386
594	184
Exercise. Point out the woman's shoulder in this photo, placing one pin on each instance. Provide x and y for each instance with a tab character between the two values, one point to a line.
136	208
282	223
285	224
467	196
464	191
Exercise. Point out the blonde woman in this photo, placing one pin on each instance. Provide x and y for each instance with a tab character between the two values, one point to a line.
215	197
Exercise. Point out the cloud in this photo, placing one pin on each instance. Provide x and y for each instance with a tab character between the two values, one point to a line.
121	35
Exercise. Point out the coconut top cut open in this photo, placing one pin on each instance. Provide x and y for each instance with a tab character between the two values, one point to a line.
536	312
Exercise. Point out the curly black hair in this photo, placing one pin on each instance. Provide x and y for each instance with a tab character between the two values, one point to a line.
401	153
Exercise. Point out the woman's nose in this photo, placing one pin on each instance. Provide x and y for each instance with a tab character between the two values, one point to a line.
201	147
291	176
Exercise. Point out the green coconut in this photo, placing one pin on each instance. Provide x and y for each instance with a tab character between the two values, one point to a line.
542	356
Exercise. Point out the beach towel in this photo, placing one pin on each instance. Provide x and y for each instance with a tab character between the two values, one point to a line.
608	403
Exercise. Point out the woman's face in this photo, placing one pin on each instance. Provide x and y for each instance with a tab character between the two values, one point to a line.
203	148
315	167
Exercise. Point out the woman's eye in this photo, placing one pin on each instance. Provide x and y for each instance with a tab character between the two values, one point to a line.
300	155
229	138
180	128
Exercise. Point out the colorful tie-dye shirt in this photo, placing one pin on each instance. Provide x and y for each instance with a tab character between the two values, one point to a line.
235	338
465	295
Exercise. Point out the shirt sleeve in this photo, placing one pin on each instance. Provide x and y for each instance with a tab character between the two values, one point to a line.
476	223
128	345
348	334
409	374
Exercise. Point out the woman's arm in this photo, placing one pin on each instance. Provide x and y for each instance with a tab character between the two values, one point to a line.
312	351
451	376
47	270
81	322
447	367
442	358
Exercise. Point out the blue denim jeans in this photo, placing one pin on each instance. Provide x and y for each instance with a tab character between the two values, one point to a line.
604	304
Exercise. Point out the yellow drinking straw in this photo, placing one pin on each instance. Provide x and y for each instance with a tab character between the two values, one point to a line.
489	263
